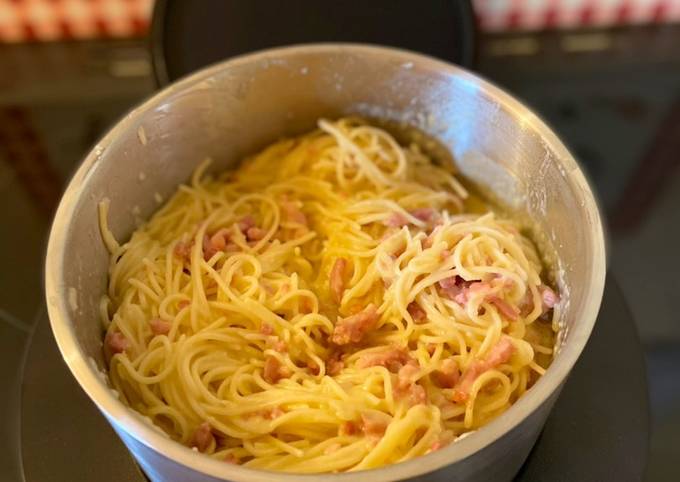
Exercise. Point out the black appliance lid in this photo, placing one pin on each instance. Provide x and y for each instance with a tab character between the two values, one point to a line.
187	35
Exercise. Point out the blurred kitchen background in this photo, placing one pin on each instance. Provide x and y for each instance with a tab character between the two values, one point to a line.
604	73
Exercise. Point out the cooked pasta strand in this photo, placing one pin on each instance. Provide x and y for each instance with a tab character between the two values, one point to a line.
325	307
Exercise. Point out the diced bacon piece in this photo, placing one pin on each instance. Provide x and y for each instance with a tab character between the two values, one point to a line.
182	250
461	298
231	459
160	326
548	297
266	329
116	342
461	294
334	364
398	251
274	370
416	312
462	392
348	428
306	305
218	241
424	214
337	279
457	294
245	223
255	233
417	394
373	426
280	345
408	374
274	341
454	288
392	359
293	213
406	383
505	308
548	300
448	374
208	249
353	328
396	220
452	282
499	354
202	437
313	367
436	445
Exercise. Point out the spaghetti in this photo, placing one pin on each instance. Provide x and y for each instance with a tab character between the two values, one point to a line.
328	306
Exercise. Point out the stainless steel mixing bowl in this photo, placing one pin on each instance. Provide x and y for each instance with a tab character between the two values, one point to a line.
233	108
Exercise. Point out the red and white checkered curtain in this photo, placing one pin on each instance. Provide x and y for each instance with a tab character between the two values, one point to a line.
501	15
28	20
